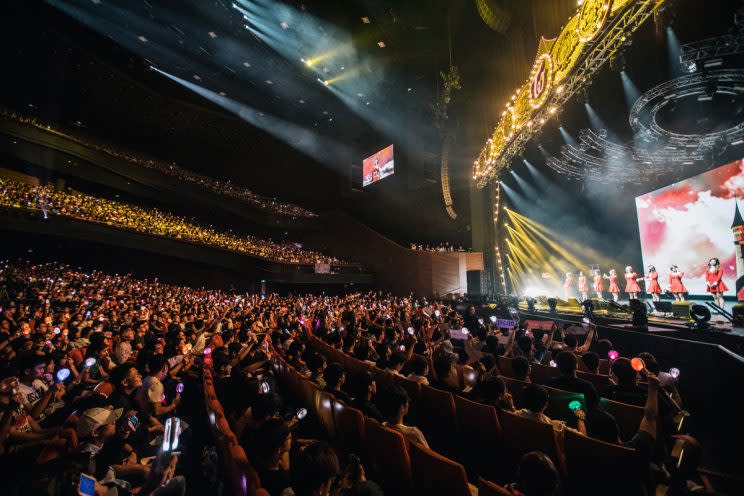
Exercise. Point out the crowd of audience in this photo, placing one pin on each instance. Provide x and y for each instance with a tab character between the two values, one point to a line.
442	247
104	356
151	221
219	186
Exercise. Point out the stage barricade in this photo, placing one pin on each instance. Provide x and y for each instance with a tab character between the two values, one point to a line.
434	474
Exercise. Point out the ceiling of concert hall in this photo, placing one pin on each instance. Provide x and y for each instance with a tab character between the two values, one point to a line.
238	89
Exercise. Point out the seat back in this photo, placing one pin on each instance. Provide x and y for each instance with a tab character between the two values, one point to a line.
515	387
505	367
589	459
349	423
558	401
324	407
628	417
436	414
542	374
599	381
435	474
521	435
479	432
388	453
488	488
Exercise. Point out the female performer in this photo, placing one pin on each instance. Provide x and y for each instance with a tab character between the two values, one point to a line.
568	285
614	288
598	286
652	283
583	287
631	283
675	284
713	277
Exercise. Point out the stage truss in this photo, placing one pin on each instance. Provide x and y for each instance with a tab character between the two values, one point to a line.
563	66
655	152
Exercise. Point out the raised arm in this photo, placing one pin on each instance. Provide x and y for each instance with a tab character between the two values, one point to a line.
589	338
651	409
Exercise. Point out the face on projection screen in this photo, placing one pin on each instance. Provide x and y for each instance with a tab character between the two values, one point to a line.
689	222
378	166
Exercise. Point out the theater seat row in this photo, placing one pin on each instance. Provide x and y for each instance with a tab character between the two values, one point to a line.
490	444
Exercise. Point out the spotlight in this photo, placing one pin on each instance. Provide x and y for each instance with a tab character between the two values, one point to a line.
700	315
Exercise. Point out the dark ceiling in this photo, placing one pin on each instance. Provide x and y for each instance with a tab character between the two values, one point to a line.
85	65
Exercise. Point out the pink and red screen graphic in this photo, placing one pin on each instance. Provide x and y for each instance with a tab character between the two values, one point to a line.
689	222
378	166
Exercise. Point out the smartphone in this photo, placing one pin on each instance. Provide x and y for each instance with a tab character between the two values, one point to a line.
87	485
133	422
171	434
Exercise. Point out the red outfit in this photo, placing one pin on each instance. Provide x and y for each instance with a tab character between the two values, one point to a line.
715	277
569	283
675	283
583	287
652	283
614	288
598	286
631	286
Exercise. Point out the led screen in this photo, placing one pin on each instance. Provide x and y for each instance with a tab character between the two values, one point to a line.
689	222
378	166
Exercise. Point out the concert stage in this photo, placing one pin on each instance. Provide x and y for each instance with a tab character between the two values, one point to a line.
673	322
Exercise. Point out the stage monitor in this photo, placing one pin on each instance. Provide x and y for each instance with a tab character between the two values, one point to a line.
689	222
378	166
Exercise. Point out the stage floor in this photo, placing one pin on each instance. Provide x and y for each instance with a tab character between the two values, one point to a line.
658	322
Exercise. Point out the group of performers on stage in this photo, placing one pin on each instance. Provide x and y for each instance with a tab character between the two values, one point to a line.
713	278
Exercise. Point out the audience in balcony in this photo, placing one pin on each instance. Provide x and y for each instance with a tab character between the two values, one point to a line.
218	186
79	206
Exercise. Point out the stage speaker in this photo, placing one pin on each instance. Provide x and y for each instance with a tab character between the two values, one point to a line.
474	282
681	308
663	306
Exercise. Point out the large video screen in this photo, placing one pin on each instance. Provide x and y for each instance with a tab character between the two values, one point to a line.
689	222
378	166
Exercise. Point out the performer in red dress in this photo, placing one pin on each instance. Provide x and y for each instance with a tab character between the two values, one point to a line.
614	288
583	287
675	284
631	283
652	283
598	286
713	277
568	285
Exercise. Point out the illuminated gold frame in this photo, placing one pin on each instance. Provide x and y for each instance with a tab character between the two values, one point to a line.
562	66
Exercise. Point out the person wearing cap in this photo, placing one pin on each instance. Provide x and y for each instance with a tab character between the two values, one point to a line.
94	427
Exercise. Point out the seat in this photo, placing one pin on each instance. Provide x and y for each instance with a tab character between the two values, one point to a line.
435	474
521	435
599	381
515	387
324	407
349	423
628	417
480	434
558	401
388	452
542	374
383	379
436	414
488	488
587	460
505	367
